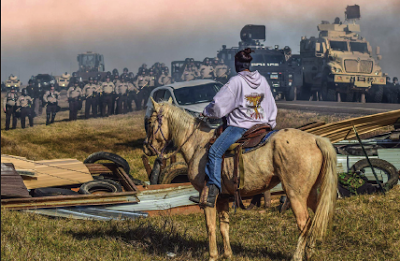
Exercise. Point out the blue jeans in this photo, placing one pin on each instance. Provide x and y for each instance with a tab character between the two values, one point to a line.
217	150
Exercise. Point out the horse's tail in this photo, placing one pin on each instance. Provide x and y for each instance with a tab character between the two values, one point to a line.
327	196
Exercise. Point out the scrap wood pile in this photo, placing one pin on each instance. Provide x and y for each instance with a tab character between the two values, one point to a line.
63	176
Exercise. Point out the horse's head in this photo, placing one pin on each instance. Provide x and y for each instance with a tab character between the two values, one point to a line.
158	136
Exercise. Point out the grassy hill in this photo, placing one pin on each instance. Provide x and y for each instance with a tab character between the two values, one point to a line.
364	227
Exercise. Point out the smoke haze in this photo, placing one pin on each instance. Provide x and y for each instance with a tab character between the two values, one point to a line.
45	36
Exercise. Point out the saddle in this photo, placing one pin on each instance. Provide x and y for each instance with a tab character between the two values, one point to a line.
251	139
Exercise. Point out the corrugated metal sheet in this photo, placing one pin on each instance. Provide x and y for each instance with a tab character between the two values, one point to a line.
150	200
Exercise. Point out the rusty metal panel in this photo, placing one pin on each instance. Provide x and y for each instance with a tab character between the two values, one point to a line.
71	200
12	185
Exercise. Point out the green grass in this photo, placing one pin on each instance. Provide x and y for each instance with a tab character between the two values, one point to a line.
364	227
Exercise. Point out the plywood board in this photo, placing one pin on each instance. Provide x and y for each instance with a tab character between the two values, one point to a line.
51	173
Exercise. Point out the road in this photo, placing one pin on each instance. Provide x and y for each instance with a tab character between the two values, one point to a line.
336	107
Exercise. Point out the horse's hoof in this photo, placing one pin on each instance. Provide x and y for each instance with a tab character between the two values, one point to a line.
226	257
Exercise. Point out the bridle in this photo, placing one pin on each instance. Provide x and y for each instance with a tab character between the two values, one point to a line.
159	119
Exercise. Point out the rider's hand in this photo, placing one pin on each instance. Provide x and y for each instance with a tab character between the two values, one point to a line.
4	109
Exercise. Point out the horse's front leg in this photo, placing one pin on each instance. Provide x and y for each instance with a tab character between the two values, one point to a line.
223	212
211	219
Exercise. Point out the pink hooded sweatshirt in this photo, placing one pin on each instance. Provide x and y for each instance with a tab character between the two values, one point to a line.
246	100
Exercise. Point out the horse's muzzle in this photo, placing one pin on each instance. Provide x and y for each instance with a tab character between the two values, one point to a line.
148	150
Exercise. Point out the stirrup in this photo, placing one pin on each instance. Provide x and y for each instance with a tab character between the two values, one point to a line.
208	196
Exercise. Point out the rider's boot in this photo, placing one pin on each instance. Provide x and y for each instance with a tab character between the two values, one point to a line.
208	196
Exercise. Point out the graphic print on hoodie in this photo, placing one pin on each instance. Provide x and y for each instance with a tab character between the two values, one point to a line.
246	100
255	110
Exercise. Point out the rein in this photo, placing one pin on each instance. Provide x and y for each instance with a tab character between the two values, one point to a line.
167	142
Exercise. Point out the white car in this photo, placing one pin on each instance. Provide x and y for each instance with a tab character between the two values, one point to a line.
192	96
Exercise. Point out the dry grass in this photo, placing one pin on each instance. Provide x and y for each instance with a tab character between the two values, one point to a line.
364	227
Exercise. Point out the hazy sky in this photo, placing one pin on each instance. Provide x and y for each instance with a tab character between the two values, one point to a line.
45	36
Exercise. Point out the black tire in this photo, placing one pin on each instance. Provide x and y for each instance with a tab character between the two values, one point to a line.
105	185
389	169
45	192
290	93
101	155
174	173
327	94
378	94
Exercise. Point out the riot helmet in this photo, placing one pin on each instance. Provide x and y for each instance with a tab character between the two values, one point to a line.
395	80
115	71
30	81
24	92
126	70
74	74
90	79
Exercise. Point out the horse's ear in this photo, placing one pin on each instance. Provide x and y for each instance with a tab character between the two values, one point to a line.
170	100
156	106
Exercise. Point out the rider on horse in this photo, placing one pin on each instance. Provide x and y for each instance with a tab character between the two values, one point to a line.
245	100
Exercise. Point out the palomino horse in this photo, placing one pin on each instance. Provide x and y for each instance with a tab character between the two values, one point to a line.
303	163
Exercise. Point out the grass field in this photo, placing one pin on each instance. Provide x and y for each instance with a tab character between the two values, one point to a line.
364	227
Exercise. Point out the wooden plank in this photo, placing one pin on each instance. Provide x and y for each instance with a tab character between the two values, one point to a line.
71	200
58	172
125	180
341	130
12	185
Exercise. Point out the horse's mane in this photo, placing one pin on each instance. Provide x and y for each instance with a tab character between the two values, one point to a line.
180	121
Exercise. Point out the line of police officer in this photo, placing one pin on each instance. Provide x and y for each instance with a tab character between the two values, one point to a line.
215	69
21	106
101	95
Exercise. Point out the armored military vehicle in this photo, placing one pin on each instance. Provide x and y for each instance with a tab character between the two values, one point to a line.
339	64
13	81
90	64
280	67
63	80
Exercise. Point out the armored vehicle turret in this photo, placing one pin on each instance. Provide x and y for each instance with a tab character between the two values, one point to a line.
339	63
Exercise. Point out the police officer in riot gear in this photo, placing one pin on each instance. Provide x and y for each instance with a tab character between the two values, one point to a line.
30	89
51	98
74	94
142	81
206	70
90	94
10	107
107	93
132	91
24	104
165	78
221	71
121	91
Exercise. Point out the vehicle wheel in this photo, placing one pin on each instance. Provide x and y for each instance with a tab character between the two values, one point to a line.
378	94
290	93
389	169
174	173
101	155
327	94
105	185
45	192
